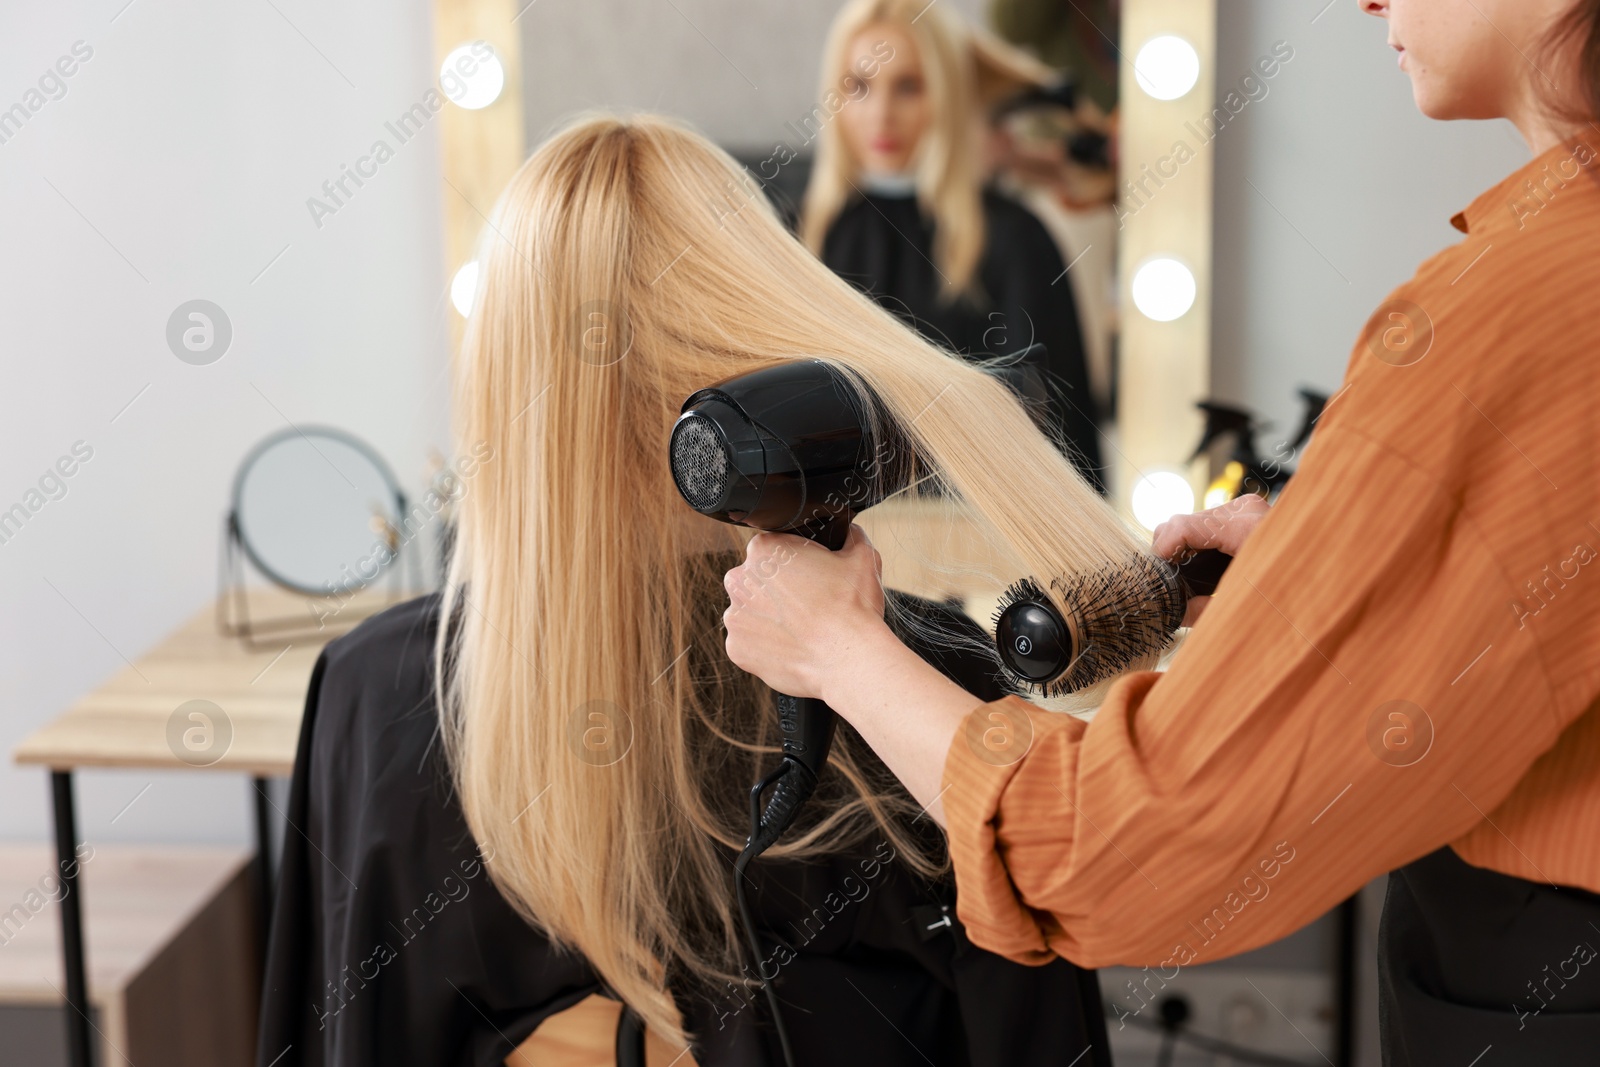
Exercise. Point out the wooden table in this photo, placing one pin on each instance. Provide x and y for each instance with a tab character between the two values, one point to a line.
249	704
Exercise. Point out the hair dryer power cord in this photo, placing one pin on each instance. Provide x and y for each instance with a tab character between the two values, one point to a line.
792	785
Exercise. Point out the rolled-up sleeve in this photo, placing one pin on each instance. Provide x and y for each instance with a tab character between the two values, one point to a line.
1357	695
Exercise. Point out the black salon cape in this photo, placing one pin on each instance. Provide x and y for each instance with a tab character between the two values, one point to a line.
390	947
884	245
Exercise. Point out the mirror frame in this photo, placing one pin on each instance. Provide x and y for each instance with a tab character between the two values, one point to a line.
261	447
1164	367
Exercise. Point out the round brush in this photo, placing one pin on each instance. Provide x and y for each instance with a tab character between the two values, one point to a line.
1114	618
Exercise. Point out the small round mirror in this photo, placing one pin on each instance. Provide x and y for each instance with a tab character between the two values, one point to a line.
317	510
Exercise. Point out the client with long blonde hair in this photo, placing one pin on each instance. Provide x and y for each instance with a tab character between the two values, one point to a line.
599	745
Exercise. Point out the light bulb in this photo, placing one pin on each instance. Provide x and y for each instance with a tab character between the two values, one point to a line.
1163	289
1167	67
464	286
1159	495
471	76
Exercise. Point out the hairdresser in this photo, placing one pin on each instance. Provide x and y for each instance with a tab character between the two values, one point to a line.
1398	673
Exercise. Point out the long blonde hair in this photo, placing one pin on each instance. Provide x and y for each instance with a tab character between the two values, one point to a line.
599	739
948	175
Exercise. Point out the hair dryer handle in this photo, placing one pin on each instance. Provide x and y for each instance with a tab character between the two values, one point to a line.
808	726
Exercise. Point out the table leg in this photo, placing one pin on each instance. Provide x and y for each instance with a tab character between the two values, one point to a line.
263	865
72	956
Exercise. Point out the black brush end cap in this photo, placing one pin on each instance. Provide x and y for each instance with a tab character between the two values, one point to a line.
1034	641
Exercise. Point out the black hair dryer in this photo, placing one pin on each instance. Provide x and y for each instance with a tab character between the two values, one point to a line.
788	449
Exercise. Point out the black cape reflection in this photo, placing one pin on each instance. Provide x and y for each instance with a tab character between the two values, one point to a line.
884	246
390	946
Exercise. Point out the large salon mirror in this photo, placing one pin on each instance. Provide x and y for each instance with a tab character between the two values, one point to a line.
1069	157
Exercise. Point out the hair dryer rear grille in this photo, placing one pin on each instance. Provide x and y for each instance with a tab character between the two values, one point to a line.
700	462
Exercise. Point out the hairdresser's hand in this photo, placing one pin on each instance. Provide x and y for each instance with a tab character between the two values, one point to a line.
797	609
809	623
1224	528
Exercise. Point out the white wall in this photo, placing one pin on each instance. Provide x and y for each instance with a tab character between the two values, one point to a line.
1353	188
181	157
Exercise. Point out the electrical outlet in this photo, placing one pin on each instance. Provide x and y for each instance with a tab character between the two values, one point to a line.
1280	1012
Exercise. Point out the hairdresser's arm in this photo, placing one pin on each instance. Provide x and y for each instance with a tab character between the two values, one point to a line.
1270	772
1310	735
810	623
820	632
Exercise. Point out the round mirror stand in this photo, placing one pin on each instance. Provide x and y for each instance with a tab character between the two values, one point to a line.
319	514
323	618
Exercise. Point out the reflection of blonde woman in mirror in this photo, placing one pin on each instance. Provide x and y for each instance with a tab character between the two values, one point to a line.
897	205
596	745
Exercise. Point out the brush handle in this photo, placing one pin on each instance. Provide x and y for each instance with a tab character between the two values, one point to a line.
1201	572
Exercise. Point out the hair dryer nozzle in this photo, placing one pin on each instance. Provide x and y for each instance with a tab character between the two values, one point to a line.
792	449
